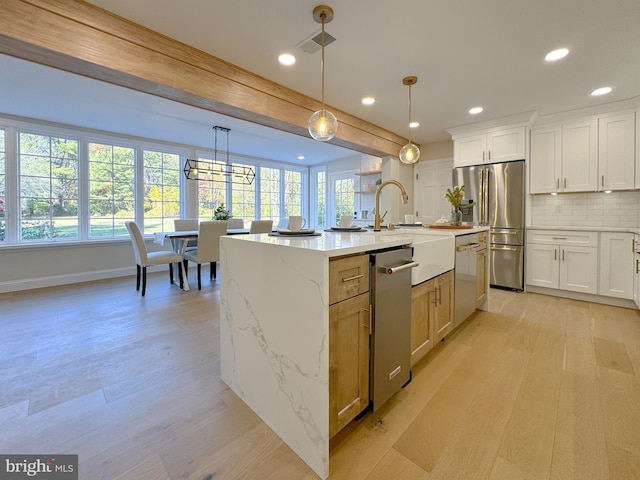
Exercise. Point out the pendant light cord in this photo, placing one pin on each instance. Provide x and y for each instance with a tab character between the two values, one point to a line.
323	16
409	114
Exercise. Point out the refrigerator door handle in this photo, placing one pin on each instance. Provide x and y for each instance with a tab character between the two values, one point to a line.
481	198
485	196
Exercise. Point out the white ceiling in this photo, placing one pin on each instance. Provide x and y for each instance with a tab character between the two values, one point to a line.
464	52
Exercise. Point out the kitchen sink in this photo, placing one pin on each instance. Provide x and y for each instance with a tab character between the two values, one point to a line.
434	253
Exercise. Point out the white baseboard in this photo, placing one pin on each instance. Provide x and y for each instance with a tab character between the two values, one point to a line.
56	280
587	297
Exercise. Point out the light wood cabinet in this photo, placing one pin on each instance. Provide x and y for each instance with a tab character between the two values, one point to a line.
431	314
481	276
443	304
349	330
422	299
348	277
490	146
348	360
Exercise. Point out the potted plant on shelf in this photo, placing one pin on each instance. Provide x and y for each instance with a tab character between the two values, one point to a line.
455	199
221	213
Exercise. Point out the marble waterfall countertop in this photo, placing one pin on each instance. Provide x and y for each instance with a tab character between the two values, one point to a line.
336	243
274	326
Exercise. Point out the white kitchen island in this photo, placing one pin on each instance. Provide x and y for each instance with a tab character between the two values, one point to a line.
274	324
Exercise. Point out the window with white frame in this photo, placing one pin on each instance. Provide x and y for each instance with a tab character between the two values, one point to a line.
270	194
161	173
111	189
48	187
318	202
243	199
293	186
343	187
212	193
68	185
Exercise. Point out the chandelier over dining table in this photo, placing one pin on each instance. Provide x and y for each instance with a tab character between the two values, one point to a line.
218	171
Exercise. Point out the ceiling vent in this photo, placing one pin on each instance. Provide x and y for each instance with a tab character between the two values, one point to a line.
313	44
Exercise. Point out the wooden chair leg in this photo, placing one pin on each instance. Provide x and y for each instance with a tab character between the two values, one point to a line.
171	273
199	283
180	273
144	280
137	278
212	270
185	262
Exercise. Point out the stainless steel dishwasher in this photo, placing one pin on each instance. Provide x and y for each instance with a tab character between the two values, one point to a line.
465	276
391	323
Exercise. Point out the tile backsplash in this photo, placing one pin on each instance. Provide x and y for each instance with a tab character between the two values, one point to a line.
615	209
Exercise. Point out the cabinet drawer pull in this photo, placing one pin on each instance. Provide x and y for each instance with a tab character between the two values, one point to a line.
558	238
355	277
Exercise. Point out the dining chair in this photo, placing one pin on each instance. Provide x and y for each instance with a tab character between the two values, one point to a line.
182	224
144	258
208	249
236	223
261	226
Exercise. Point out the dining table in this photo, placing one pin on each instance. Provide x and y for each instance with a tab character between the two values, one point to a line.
179	240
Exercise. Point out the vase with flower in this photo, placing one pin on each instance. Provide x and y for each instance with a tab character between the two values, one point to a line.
221	213
455	197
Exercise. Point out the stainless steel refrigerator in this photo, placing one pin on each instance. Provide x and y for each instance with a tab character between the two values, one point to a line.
498	190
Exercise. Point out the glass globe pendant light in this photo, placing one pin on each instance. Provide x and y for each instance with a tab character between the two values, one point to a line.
323	124
410	153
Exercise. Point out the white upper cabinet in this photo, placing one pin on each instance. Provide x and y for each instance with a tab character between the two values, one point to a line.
616	152
579	156
490	146
637	149
584	155
546	159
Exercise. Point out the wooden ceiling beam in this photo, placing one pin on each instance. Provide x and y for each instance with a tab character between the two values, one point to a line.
81	38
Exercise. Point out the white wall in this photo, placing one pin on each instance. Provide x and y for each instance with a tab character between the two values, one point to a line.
615	209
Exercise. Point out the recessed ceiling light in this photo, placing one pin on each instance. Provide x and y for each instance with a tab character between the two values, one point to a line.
556	54
601	91
414	124
286	59
300	157
368	101
475	110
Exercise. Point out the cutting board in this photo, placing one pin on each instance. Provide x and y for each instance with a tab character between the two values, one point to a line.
456	227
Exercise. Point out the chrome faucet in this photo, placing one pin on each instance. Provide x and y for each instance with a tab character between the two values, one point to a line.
377	218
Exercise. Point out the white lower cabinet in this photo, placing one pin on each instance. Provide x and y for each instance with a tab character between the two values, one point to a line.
616	265
563	260
636	276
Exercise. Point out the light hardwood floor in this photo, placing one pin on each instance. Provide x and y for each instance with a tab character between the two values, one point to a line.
538	388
